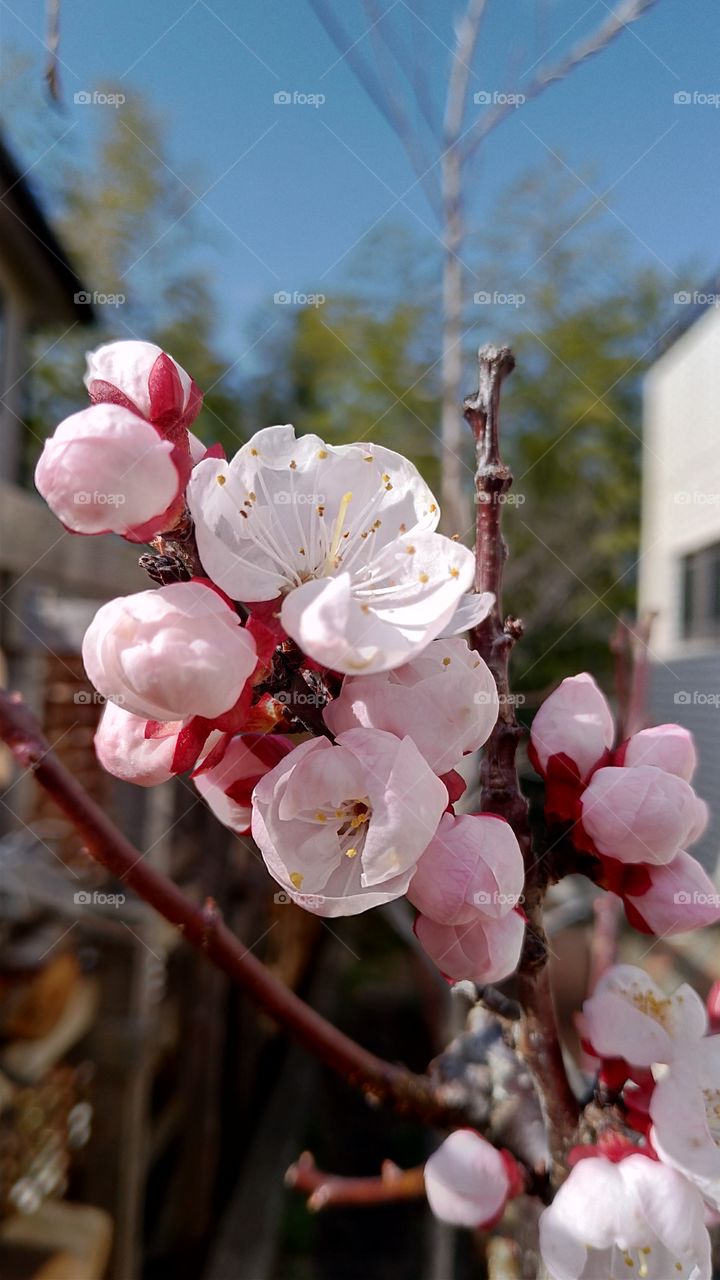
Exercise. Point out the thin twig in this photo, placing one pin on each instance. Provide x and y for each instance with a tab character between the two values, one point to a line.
538	1039
328	1190
627	12
203	929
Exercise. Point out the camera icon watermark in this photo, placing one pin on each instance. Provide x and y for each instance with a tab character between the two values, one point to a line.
511	499
84	298
298	698
284	497
310	901
296	98
283	298
686	297
86	98
483	699
496	899
83	498
696	698
696	98
687	498
495	98
91	698
84	898
494	298
697	898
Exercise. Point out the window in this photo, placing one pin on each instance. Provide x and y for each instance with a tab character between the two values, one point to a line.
701	594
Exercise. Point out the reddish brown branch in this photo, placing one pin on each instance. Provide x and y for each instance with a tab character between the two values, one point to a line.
326	1190
538	1039
203	928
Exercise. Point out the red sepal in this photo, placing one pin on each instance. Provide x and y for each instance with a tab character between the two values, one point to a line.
456	786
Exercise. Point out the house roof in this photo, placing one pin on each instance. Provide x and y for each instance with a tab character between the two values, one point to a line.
33	255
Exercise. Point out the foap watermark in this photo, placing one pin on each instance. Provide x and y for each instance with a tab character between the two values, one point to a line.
297	98
496	98
696	498
311	901
86	98
299	698
696	698
500	499
84	498
495	298
697	898
482	698
693	297
91	698
284	497
83	898
695	98
497	899
84	298
285	299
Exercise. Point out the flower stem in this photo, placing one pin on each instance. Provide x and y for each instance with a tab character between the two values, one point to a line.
538	1039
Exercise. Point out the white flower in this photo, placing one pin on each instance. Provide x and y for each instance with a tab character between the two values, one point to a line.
615	1221
345	535
467	1182
685	1111
628	1016
445	700
341	827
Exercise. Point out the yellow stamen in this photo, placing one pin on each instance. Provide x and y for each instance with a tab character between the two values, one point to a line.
296	879
220	480
337	533
351	853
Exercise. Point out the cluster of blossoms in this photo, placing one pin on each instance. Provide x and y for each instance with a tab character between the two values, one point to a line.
320	560
631	1206
630	809
305	662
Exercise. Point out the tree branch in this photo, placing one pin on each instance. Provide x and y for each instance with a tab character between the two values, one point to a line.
627	12
327	1190
203	928
538	1040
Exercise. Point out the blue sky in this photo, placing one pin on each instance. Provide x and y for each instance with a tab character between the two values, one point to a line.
288	191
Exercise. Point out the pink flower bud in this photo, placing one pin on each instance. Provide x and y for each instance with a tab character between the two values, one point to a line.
484	950
445	700
123	749
170	654
142	377
468	1182
106	470
640	814
575	721
228	777
472	865
667	746
679	896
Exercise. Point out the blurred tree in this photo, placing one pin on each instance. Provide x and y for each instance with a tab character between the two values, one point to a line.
584	322
133	236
